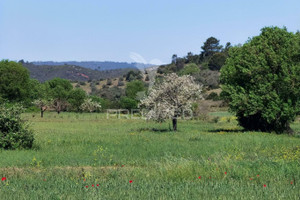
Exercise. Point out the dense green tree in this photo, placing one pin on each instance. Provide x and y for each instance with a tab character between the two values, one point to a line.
174	58
15	83
210	47
261	80
128	103
76	98
59	90
217	61
132	88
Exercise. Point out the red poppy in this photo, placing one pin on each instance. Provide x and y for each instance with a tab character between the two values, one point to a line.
225	172
291	182
122	165
87	186
199	177
97	185
3	179
130	181
92	185
265	185
257	175
251	179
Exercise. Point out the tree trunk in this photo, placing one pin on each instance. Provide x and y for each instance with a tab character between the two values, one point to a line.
42	113
174	120
58	107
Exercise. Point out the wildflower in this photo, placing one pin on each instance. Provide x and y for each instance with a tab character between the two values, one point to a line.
199	177
225	173
265	185
97	185
130	181
291	182
87	186
3	179
251	179
92	185
257	175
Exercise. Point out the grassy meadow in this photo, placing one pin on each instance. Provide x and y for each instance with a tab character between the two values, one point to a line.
86	156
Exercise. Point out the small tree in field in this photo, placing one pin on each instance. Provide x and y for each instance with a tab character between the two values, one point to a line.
261	80
42	104
172	98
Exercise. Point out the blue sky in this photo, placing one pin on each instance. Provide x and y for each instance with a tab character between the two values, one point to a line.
96	30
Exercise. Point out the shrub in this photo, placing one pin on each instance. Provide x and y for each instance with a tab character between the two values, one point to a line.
121	83
14	132
109	82
213	96
128	103
190	69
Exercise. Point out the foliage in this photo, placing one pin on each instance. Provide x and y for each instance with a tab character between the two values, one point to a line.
190	69
213	96
109	82
105	103
133	87
172	98
208	78
112	94
128	103
59	90
14	133
210	47
133	75
261	80
217	61
15	83
121	83
76	98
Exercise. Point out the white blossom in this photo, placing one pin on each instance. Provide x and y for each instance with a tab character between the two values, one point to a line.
171	98
90	106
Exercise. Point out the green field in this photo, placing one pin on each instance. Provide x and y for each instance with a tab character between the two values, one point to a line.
203	160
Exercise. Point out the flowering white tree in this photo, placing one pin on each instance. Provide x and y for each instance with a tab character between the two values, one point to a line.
172	98
89	106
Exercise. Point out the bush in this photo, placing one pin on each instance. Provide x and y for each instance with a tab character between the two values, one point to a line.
14	132
213	96
109	82
190	69
121	83
128	103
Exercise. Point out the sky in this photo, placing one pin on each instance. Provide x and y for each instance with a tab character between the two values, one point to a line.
132	30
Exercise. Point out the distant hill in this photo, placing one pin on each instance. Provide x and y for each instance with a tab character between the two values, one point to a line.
72	72
100	66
